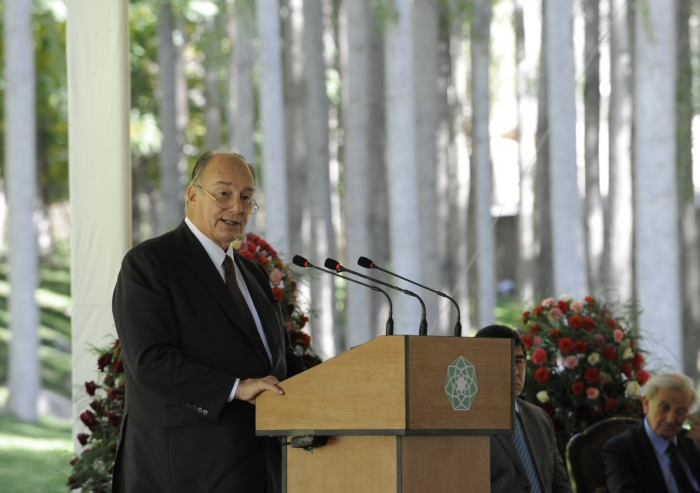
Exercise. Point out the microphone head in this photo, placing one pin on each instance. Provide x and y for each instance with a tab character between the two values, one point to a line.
365	262
332	265
300	261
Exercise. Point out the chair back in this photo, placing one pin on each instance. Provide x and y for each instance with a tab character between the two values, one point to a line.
584	453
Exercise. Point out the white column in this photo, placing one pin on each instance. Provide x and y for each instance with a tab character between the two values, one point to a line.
100	171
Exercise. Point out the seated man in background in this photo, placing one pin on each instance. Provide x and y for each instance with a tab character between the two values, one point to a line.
658	455
527	461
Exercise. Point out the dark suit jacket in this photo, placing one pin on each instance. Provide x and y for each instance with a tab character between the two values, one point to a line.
183	348
507	471
631	465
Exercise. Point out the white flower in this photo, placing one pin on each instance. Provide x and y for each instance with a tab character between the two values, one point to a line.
633	389
567	297
236	244
542	396
627	354
593	358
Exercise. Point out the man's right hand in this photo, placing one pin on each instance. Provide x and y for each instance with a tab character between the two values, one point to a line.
248	390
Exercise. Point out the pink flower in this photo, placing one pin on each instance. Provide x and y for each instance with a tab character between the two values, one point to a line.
547	302
539	356
592	393
537	340
555	314
571	362
577	306
276	277
618	335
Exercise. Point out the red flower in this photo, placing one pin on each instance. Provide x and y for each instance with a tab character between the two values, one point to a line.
114	419
555	334
90	387
263	261
278	293
589	300
563	305
581	347
576	321
116	344
527	342
588	324
626	369
592	375
566	345
248	254
609	353
539	356
578	388
82	438
610	404
526	316
119	366
534	329
74	461
116	393
88	418
303	321
537	311
642	376
610	322
637	360
541	375
104	360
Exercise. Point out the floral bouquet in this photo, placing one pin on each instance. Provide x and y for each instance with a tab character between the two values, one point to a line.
586	364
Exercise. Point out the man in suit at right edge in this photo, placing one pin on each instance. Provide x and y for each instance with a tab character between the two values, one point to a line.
658	455
527	461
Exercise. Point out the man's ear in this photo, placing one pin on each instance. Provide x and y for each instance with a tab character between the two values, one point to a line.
191	195
645	404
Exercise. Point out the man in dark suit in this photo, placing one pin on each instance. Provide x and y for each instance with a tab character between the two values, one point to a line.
527	461
658	455
202	337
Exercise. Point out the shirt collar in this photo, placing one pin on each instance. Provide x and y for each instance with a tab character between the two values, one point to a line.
215	252
659	443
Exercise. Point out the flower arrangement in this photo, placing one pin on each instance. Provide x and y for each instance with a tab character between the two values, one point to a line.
586	364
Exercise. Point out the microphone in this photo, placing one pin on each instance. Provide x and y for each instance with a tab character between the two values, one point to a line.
302	262
367	263
335	265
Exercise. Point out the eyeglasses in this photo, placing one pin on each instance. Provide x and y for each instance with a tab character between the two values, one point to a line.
248	204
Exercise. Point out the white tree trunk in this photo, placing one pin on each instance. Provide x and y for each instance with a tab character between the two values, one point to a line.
20	167
565	208
354	53
620	268
425	70
241	108
481	160
212	91
322	243
655	196
274	164
405	228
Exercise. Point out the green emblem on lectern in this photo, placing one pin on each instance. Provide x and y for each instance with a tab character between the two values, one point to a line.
460	384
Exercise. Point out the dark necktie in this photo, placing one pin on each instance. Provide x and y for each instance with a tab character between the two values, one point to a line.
682	481
526	457
238	300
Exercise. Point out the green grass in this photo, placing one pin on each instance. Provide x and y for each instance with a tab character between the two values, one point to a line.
34	457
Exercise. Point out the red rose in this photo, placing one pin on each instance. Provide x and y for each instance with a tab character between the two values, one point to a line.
539	356
303	321
90	387
263	261
588	324
566	345
119	366
306	337
114	419
82	438
555	334
626	369
592	375
537	311
610	322
526	316
534	329
88	418
609	353
578	388
642	376
576	321
581	347
95	405
116	393
541	375
74	461
527	342
116	344
104	360
589	300
637	360
610	404
563	305
248	254
278	293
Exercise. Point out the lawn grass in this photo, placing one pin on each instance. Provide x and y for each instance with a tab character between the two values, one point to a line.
34	457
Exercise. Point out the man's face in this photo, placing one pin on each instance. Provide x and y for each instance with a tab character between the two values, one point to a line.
519	364
223	177
667	411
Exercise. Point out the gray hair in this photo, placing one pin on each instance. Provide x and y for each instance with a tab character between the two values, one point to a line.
203	161
671	381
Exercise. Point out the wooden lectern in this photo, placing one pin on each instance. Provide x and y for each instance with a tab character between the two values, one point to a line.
391	424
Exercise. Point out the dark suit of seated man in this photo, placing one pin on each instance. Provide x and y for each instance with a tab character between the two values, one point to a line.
202	337
658	455
529	460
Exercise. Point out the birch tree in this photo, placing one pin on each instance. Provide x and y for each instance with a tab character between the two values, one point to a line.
655	191
20	165
565	208
481	159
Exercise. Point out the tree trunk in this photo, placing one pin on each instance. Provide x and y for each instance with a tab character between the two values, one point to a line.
274	163
567	228
618	258
690	274
481	159
425	70
20	168
212	91
655	190
591	102
322	244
